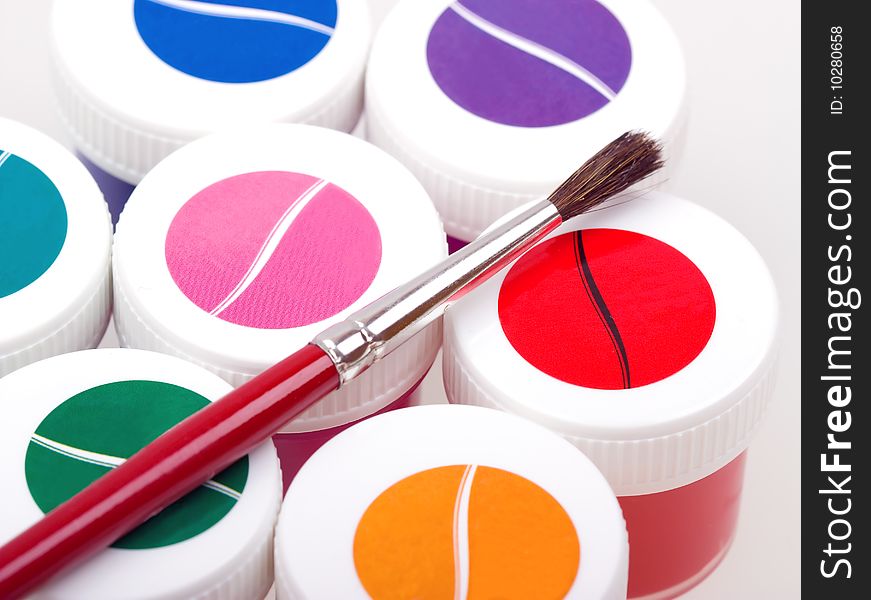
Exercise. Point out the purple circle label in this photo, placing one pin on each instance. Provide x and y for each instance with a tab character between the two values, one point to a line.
273	249
529	63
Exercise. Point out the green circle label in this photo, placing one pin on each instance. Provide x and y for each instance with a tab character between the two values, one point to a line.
96	430
33	223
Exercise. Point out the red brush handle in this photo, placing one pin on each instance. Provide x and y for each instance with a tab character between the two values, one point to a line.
165	470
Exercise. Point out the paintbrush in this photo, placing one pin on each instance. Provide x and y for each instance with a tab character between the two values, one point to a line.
213	438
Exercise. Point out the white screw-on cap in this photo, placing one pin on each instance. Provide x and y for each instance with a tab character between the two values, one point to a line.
137	79
55	249
448	501
645	334
492	103
71	418
239	248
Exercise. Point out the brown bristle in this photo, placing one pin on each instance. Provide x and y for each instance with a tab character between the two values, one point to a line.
624	162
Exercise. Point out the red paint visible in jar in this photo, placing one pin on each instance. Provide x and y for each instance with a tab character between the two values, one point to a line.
677	537
294	449
634	308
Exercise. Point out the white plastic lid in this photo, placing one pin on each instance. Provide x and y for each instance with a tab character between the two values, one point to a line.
492	103
449	502
71	418
644	333
55	247
239	248
137	79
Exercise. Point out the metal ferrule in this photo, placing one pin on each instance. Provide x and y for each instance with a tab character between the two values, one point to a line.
373	332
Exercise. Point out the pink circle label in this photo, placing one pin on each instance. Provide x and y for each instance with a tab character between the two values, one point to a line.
273	249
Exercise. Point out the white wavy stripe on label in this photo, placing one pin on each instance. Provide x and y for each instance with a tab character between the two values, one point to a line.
461	534
535	49
270	245
4	157
109	461
246	13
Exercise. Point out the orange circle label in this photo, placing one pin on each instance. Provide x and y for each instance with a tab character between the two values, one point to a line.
466	532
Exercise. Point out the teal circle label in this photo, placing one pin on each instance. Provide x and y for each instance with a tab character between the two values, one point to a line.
33	223
96	430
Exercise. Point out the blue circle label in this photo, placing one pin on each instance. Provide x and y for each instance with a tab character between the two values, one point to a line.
236	41
33	223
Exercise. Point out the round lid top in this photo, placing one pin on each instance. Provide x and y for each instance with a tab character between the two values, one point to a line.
450	501
239	248
154	74
71	418
645	333
55	237
489	97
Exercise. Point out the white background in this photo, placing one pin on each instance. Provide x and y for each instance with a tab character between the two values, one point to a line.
742	161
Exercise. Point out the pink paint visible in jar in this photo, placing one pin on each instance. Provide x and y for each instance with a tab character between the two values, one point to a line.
294	449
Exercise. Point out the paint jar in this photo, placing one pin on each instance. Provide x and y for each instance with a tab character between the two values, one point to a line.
72	418
239	248
55	250
645	334
148	76
447	501
493	103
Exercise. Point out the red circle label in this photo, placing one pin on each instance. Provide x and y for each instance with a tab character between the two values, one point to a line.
607	309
